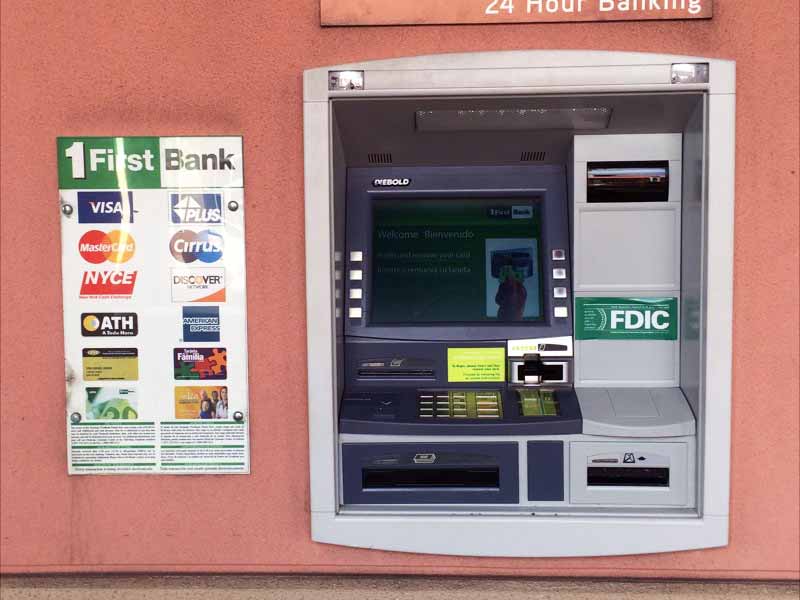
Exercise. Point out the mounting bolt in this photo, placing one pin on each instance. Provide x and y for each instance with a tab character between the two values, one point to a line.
233	206
75	418
238	416
67	209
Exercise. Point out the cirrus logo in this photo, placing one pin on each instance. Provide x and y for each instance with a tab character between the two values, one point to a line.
188	246
116	246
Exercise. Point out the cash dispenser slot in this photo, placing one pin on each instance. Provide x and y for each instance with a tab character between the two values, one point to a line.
482	478
430	473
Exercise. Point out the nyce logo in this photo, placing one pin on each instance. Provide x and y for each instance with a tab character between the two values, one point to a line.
391	182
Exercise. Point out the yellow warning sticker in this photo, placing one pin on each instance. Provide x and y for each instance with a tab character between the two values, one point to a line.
476	364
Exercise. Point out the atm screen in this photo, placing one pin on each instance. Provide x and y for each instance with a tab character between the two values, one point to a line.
463	260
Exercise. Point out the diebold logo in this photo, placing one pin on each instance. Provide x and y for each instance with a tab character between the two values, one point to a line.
199	209
397	182
108	284
201	324
188	246
109	324
105	207
198	285
116	246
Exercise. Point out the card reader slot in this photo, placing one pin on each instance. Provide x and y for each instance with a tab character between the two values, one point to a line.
463	478
628	476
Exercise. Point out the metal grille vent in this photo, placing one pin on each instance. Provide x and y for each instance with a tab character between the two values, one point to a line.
530	156
380	158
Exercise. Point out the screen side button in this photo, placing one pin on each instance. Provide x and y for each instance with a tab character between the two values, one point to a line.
356	293
559	254
559	273
559	292
560	312
354	312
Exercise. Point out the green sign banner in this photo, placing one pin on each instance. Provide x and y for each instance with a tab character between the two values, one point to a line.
130	163
626	318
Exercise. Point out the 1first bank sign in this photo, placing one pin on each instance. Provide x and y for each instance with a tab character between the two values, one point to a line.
149	162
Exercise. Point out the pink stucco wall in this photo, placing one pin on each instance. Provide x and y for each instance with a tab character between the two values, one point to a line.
158	68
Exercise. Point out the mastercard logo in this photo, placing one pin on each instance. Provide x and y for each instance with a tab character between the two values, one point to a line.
116	246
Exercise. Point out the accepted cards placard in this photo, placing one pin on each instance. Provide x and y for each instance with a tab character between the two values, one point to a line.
154	296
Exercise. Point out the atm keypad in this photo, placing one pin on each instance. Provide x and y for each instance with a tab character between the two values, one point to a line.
538	403
459	404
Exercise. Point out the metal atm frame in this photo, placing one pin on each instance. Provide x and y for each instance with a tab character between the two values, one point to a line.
531	532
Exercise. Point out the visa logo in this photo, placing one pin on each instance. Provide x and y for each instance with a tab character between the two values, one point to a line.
201	209
105	207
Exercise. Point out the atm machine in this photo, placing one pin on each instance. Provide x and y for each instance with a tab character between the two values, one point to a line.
519	302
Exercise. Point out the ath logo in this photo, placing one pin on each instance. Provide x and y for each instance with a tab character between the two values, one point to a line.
107	284
109	324
201	323
105	207
198	285
199	209
116	246
640	319
188	246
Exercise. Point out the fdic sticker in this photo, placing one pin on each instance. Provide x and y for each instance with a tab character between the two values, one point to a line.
476	364
626	318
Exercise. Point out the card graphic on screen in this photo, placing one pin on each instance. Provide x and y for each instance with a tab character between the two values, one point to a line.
512	279
457	260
